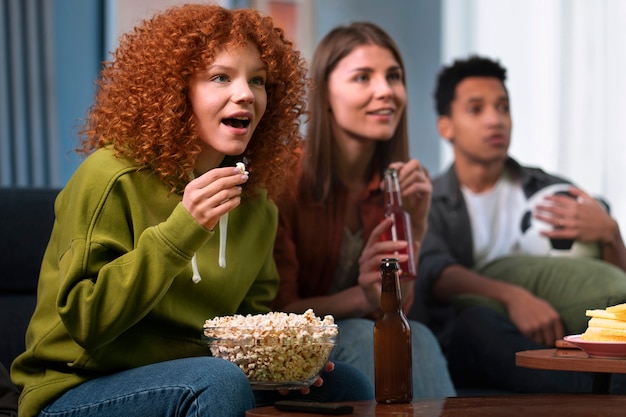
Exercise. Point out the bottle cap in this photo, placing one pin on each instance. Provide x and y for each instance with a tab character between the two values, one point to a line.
389	263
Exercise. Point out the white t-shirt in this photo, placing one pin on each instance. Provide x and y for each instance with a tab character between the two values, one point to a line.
495	218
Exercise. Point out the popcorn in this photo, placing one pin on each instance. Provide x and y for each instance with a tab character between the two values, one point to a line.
242	168
276	348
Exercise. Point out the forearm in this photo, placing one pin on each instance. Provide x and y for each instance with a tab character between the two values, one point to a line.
457	280
344	304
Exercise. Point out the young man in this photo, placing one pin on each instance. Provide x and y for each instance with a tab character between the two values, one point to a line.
483	303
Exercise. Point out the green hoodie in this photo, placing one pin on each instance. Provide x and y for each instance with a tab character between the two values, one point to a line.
115	289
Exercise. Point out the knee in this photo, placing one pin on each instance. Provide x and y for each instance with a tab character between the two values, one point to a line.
346	383
357	330
218	381
422	336
613	280
473	322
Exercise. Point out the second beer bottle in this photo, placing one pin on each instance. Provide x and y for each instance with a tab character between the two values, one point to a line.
393	363
401	227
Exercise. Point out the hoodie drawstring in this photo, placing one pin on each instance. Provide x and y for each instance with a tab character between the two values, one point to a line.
194	266
223	231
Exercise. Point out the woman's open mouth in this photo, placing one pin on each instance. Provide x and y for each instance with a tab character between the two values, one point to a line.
237	122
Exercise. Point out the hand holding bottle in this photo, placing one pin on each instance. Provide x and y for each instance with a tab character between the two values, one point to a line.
373	253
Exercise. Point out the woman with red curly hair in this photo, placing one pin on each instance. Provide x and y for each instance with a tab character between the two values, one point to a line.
138	257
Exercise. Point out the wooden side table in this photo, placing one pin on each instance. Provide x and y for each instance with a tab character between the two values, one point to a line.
518	405
573	360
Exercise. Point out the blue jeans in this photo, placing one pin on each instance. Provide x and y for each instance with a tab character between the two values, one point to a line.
203	386
430	371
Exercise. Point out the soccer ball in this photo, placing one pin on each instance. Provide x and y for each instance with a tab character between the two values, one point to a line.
532	242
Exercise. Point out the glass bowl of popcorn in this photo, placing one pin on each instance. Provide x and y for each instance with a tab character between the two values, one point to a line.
275	350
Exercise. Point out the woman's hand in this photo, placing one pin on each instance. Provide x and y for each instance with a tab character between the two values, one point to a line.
213	194
373	253
416	189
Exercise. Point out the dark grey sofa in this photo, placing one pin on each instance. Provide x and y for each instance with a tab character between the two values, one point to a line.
26	218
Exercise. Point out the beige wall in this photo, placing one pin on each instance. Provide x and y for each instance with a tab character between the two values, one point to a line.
129	13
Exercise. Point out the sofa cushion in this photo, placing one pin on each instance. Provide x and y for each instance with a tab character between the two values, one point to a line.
26	218
15	310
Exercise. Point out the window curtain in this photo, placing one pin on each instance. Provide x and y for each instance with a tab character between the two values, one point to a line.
566	65
27	111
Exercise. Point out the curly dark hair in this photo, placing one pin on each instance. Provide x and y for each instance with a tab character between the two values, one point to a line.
449	77
142	107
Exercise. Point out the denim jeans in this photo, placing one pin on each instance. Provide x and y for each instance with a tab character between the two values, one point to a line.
197	387
430	371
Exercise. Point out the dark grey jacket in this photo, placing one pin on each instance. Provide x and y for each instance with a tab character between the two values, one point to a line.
448	240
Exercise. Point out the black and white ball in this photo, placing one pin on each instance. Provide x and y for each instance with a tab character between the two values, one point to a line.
532	242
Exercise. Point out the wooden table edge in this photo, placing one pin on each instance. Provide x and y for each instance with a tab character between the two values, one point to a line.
568	360
509	405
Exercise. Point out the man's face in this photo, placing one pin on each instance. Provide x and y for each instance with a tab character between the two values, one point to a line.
479	125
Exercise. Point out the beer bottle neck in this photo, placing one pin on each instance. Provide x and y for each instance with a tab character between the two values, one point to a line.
393	197
390	297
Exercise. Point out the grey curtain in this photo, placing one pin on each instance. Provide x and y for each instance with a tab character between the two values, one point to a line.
27	94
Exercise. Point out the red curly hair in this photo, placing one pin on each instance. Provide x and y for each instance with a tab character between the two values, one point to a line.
142	107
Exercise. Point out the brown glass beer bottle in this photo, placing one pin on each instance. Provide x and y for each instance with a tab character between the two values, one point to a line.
392	342
401	227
